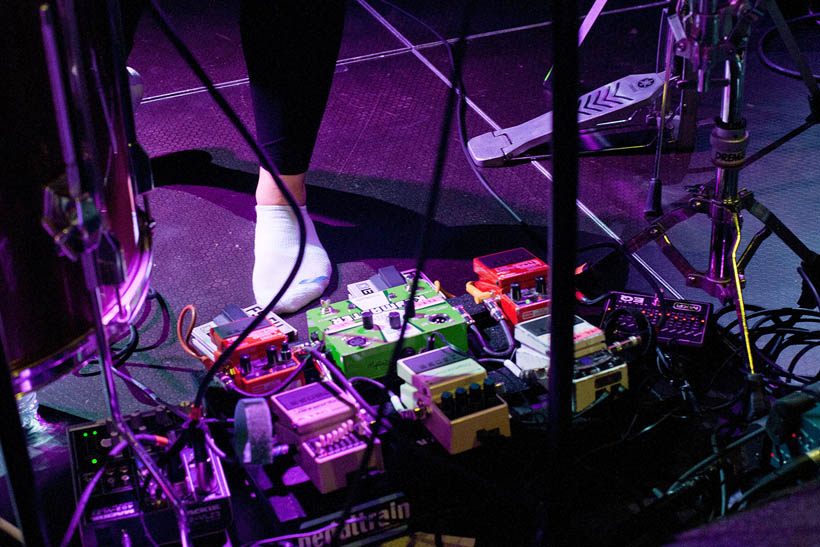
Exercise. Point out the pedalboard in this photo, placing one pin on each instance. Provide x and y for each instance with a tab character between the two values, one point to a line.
518	279
461	404
329	432
127	501
361	340
685	323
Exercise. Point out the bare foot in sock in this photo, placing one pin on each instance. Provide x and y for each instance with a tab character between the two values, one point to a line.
276	245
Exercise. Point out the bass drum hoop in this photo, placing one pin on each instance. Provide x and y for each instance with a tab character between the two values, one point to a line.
117	320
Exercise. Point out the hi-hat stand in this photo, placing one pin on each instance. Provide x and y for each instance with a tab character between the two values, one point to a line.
718	37
706	46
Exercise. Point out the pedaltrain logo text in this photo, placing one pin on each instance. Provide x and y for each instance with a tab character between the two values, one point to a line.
364	523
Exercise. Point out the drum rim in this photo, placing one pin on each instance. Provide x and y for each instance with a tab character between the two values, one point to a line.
78	352
136	290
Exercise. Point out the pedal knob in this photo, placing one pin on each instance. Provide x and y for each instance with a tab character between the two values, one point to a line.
541	284
245	364
367	320
285	352
515	291
273	358
395	320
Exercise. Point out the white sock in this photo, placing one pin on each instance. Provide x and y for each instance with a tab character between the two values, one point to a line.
276	245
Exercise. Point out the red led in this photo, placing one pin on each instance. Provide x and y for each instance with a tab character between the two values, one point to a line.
772	455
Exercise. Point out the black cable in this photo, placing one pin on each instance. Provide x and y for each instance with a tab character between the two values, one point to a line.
810	285
196	67
771	65
713	457
785	321
165	310
594	301
799	355
593	405
658	292
724	498
119	356
443	340
150	393
370	381
611	323
627	436
485	347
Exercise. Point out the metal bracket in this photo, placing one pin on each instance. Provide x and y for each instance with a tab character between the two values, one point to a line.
74	224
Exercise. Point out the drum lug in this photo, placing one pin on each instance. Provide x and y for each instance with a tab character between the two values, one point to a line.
73	224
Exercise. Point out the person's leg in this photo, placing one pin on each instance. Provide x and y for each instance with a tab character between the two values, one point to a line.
290	49
267	193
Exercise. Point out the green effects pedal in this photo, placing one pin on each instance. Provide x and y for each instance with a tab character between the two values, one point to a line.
361	341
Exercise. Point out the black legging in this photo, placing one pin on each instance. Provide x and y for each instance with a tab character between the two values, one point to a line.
290	49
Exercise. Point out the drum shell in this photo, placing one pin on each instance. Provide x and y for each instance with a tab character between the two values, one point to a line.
46	310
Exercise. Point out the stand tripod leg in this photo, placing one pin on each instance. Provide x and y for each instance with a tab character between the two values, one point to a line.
107	366
764	215
811	260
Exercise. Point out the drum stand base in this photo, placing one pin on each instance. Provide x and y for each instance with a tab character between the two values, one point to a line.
721	212
724	277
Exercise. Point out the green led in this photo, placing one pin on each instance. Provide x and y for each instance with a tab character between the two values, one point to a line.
85	434
94	461
94	432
